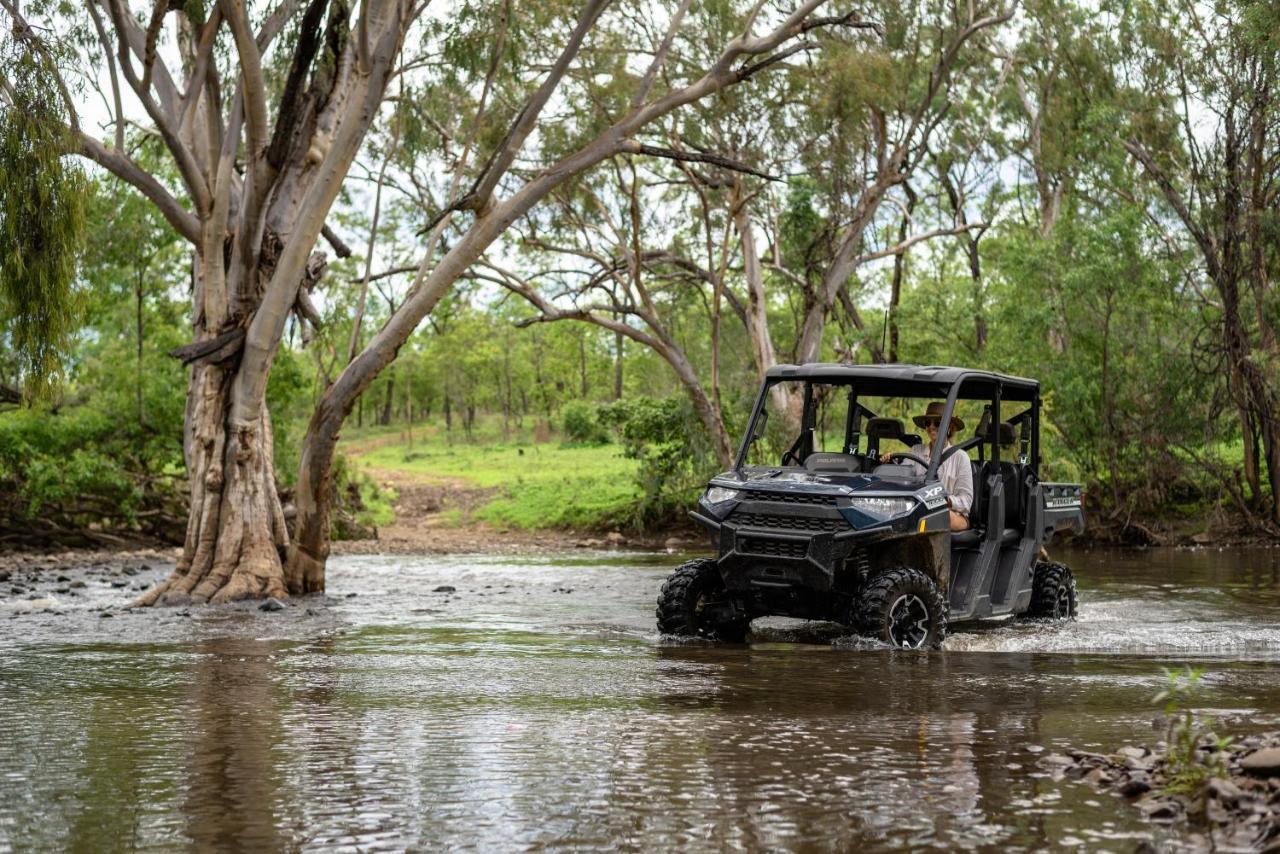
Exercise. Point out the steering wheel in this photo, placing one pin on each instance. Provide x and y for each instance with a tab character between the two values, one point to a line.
909	456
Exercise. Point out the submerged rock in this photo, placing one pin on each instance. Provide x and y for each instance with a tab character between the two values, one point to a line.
272	604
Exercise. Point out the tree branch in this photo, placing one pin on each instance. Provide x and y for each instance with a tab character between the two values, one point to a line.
633	147
204	52
111	69
123	167
254	89
482	190
289	112
340	248
191	175
904	245
659	56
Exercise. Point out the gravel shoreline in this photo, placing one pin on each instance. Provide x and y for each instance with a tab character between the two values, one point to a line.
1239	811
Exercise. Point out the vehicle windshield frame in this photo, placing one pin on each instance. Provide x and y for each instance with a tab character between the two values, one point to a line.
962	385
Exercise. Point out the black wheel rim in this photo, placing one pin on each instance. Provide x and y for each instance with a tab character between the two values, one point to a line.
908	622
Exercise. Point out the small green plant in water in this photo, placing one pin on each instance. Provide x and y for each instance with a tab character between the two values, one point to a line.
1187	767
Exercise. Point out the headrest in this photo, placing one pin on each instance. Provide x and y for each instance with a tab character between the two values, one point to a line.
1007	434
884	428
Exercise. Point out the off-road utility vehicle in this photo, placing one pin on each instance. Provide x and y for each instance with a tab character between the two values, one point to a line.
840	535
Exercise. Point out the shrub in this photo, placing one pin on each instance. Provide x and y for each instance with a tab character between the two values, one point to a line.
580	424
671	446
85	474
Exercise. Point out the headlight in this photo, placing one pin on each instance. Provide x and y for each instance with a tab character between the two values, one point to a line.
886	508
717	494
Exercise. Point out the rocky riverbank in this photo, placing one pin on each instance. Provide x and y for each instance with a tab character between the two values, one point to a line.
1236	808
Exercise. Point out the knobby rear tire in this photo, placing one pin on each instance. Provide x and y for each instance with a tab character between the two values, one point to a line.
1053	592
683	601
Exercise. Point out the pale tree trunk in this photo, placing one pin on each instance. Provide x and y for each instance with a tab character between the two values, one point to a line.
789	404
236	523
255	266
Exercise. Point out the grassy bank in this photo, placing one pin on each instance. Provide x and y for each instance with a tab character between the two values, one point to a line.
521	483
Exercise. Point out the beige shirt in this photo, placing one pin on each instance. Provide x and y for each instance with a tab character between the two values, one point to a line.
955	473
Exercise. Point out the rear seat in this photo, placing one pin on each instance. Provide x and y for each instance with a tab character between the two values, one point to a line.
983	474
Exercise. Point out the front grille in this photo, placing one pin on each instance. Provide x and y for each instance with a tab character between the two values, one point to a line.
774	548
788	523
791	497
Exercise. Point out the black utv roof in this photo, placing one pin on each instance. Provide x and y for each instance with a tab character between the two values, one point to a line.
897	380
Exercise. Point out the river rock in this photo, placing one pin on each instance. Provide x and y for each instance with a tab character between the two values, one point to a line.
1223	790
4	575
1098	777
1054	760
1133	787
272	604
1160	810
1139	764
1132	752
77	585
445	588
1262	763
614	538
1216	813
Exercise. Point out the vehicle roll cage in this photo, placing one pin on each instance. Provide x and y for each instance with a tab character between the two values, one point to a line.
908	381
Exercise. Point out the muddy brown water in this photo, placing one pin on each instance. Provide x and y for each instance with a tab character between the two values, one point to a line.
534	707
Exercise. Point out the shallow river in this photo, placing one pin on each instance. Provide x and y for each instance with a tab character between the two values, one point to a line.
536	708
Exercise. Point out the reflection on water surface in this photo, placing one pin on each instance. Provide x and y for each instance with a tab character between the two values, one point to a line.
535	708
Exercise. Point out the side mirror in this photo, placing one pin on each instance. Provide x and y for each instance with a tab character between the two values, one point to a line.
760	425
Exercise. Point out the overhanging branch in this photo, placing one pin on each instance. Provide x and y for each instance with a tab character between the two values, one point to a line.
697	157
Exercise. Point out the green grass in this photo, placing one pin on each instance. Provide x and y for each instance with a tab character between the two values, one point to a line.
377	503
541	486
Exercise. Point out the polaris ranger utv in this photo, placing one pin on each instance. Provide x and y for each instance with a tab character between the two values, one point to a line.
840	535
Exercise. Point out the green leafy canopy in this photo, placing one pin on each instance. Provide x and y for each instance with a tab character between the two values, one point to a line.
42	211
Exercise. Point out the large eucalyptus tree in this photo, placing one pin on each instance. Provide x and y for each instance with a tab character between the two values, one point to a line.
264	110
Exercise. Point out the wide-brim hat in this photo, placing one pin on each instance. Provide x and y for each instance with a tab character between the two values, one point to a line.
933	412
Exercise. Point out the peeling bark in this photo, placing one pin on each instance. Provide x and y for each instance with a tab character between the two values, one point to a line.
236	524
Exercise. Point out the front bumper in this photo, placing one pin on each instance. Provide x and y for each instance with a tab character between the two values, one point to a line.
784	555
